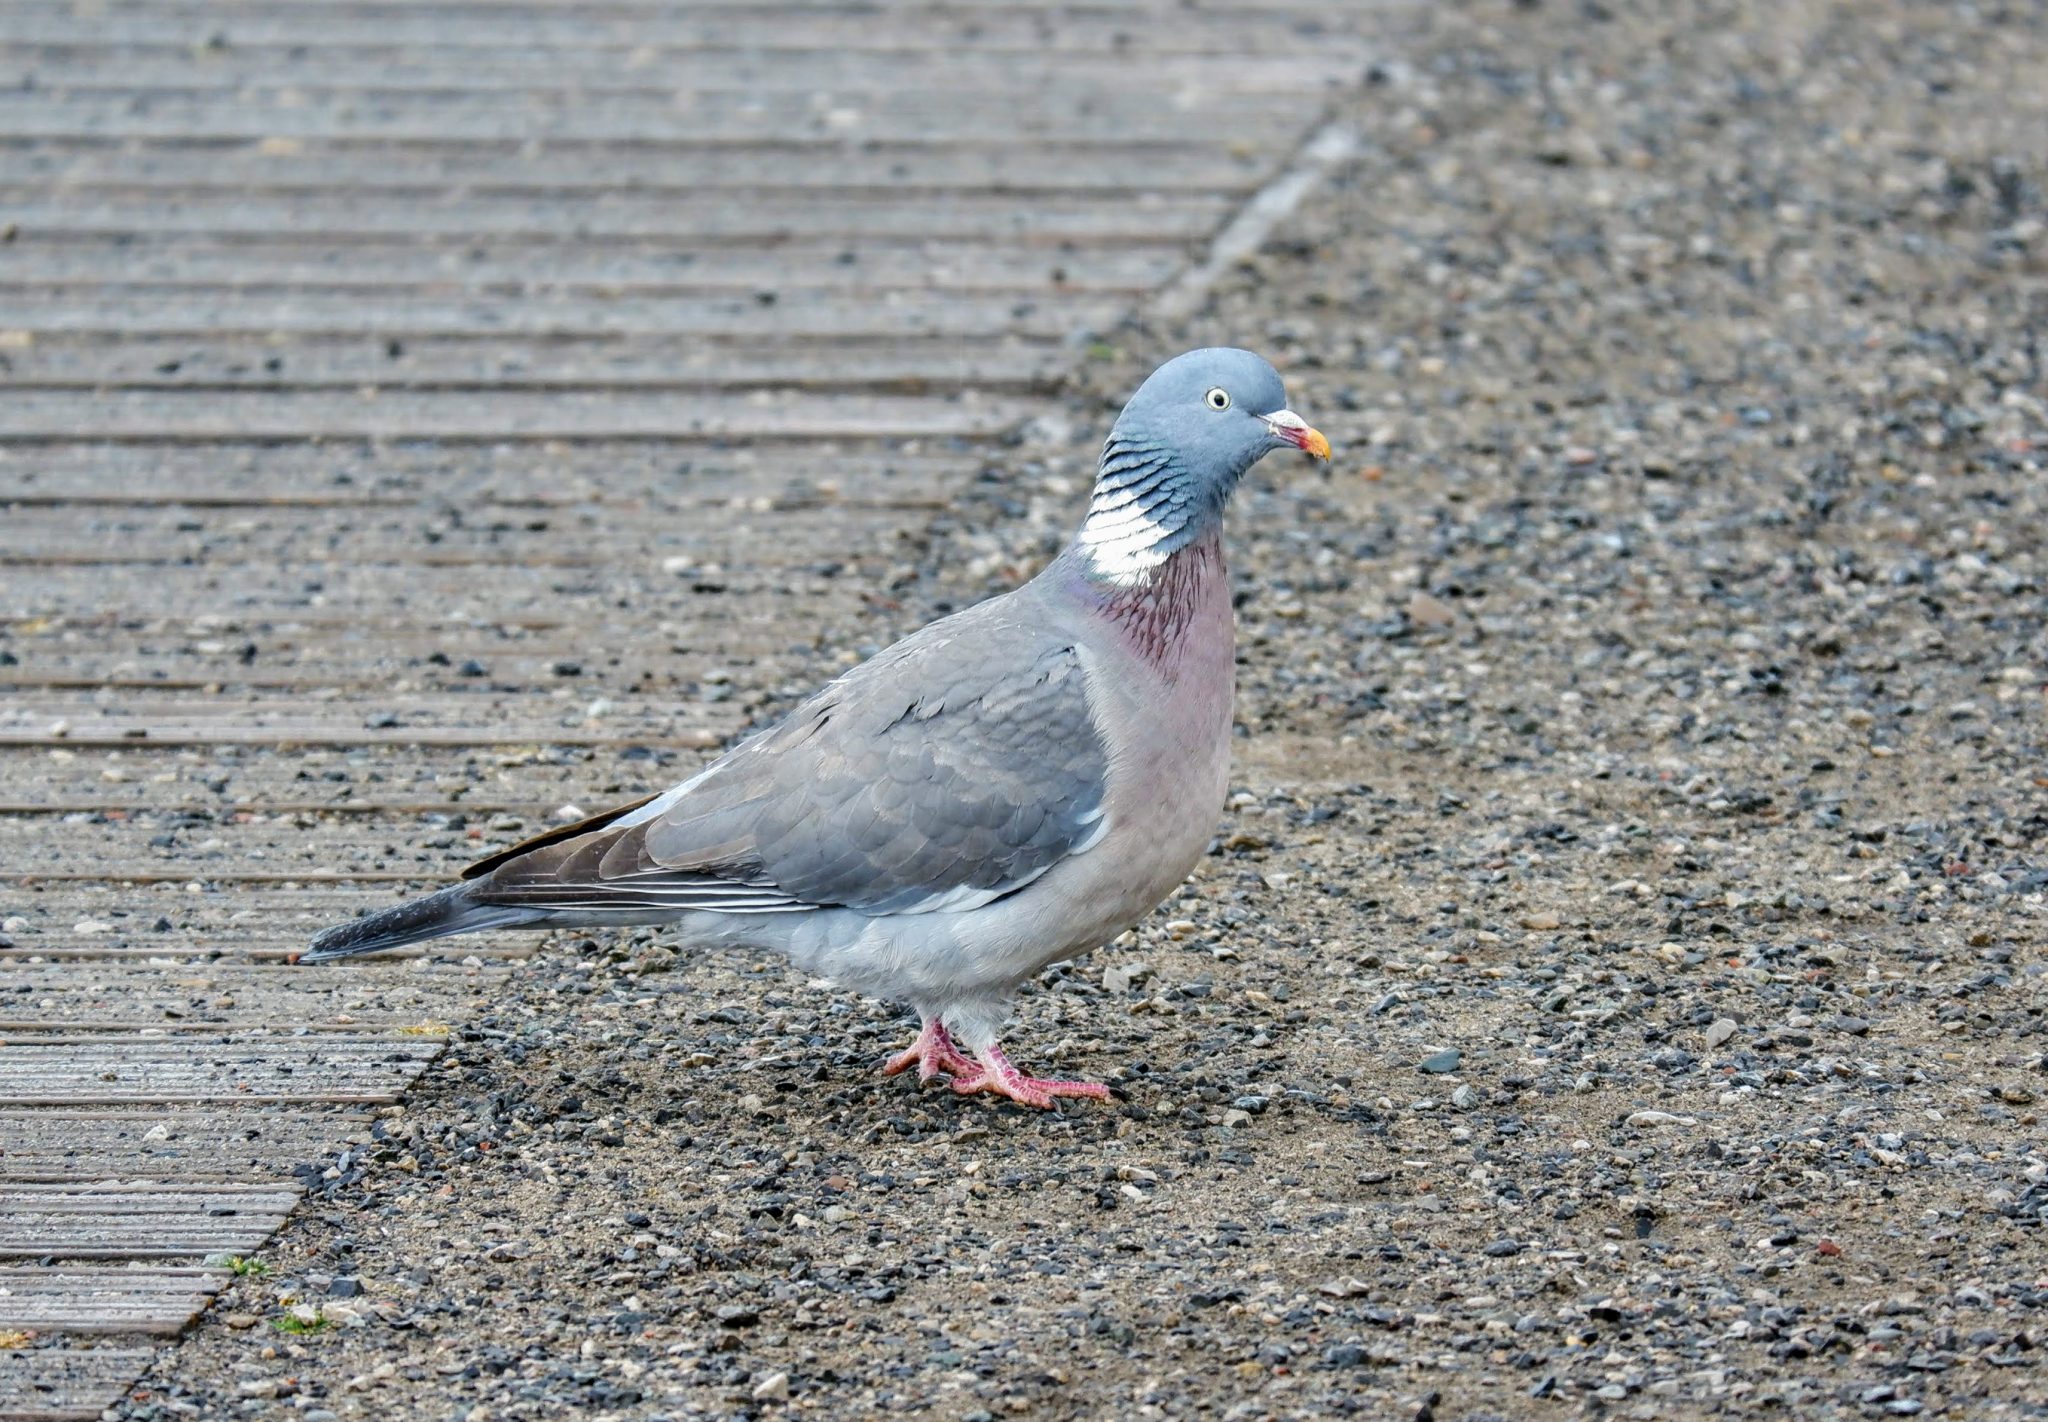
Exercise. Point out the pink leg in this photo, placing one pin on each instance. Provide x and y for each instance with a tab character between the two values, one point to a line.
933	1052
995	1074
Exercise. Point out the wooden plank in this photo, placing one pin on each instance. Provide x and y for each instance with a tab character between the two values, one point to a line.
71	1222
271	1015
121	785
451	532
224	920
115	996
115	1299
141	709
28	1051
272	917
305	734
197	1144
239	840
267	859
189	639
263	914
469	504
424	790
262	415
1252	122
234	945
184	809
239	948
359	671
576	573
356	601
270	943
33	718
377	994
547	262
115	1070
240	941
384	169
400	997
287	623
629	485
976	29
812	315
795	12
270	75
367	672
527	559
209	880
217	925
1109	219
411	532
66	1383
166	657
579	472
691	367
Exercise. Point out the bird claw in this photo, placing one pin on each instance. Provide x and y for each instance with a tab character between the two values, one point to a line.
935	1051
995	1075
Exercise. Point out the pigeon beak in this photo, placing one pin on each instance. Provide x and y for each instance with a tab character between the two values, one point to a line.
1290	428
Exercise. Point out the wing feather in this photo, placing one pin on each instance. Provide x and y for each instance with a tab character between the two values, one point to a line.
953	769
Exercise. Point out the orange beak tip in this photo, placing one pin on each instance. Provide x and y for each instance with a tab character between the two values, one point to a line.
1290	428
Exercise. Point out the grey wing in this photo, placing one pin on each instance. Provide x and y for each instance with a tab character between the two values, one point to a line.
937	777
963	794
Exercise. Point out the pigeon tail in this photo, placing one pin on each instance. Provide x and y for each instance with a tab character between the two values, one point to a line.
453	910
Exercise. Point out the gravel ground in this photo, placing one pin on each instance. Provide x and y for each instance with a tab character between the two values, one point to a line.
1616	987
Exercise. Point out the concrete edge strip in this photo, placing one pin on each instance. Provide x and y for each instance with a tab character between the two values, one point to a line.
1327	149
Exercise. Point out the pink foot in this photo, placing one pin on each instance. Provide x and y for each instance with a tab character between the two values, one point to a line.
995	1074
933	1052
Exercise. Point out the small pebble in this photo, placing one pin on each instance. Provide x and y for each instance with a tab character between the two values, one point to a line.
1659	1118
1427	611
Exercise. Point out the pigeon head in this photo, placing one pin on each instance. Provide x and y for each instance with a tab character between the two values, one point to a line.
1176	452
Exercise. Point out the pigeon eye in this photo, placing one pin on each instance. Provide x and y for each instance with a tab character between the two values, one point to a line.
1218	398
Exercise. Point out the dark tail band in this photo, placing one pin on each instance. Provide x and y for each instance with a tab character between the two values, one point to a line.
452	910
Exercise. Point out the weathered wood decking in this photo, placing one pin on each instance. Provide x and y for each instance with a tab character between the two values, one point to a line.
384	383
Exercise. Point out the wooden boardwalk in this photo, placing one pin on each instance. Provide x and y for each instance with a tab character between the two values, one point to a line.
413	409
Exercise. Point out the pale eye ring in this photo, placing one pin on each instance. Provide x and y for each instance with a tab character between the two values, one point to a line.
1218	398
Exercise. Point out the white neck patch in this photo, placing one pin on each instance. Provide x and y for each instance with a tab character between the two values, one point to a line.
1122	541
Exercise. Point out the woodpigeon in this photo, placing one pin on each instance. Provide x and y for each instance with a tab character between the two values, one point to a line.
1015	783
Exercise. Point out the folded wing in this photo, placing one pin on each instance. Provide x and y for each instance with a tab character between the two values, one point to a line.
954	769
